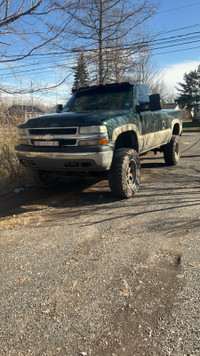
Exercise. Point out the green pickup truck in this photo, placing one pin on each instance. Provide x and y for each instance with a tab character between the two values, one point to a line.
101	128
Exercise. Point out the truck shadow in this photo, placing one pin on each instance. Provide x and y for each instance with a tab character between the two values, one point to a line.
80	193
67	193
151	161
92	202
152	165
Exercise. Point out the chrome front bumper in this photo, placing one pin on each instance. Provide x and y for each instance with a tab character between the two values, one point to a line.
64	161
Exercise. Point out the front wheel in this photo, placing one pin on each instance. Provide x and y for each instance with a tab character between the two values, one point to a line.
124	175
172	151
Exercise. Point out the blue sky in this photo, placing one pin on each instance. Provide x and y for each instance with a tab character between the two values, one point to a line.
179	59
177	21
174	15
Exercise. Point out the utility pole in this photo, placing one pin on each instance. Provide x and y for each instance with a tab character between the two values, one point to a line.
31	99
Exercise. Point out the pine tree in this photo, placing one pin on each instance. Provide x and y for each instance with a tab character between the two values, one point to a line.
81	77
190	91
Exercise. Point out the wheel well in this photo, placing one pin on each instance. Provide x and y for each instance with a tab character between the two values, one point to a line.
127	140
176	129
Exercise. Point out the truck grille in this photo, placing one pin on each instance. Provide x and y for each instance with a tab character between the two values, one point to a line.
59	143
54	131
54	136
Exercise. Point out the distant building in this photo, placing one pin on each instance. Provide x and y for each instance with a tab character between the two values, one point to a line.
167	106
186	112
25	111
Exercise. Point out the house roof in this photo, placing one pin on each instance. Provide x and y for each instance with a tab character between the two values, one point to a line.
169	105
27	108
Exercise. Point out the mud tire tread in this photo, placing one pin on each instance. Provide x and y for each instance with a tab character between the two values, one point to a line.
172	151
117	175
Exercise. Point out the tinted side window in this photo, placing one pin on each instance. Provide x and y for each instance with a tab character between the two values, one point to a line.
143	93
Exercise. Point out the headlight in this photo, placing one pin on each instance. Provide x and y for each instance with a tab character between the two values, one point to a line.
92	129
93	142
93	135
88	143
22	132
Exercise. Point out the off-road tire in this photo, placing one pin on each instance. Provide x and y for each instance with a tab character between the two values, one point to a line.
124	175
43	179
172	151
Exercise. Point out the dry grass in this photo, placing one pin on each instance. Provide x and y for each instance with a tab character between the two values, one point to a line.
12	175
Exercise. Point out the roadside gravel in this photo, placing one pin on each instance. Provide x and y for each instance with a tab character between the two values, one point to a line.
85	274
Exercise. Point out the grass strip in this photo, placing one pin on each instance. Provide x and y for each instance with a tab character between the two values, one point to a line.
191	125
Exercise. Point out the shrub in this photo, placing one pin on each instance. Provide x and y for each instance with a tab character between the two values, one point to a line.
12	173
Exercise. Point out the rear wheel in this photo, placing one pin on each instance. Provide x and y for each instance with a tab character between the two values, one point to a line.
124	175
172	151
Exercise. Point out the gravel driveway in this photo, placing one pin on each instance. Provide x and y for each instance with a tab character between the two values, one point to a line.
82	273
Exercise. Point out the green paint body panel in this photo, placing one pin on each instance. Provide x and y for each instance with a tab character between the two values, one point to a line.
129	113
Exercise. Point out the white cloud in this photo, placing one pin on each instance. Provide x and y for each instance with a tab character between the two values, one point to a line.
174	73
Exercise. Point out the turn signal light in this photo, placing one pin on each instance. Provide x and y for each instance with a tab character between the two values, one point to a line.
103	141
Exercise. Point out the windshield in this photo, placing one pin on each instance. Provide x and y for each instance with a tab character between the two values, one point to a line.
104	99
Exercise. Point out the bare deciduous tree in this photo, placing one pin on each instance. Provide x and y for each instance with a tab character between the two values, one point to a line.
26	27
109	32
145	71
98	25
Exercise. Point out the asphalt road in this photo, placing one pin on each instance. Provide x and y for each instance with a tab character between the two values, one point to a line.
82	273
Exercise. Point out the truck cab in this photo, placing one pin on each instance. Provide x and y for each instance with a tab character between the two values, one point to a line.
97	125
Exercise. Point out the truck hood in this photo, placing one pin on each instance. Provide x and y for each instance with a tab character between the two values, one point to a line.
65	119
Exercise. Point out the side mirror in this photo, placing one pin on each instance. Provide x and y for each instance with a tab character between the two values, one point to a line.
155	103
142	107
59	108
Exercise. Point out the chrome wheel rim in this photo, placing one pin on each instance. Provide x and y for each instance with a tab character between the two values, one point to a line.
131	174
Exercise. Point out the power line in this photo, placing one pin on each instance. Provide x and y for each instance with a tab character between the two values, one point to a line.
149	46
176	44
178	50
58	53
181	28
178	8
158	47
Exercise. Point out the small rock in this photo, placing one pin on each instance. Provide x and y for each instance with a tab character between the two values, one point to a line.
19	190
180	276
